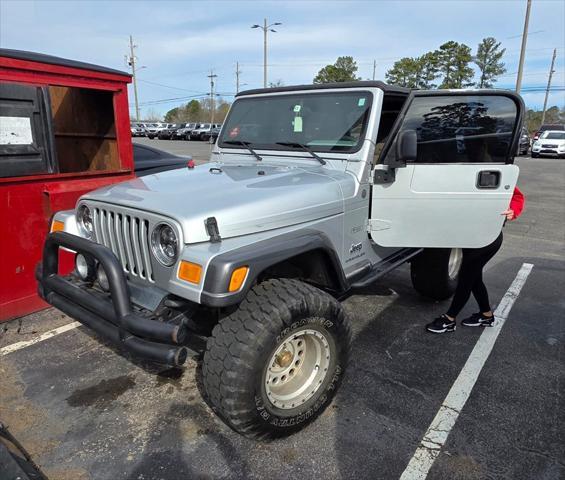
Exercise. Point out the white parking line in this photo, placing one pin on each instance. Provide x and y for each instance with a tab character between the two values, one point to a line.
438	431
44	336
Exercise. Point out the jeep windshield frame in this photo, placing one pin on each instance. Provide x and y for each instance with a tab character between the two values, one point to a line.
324	121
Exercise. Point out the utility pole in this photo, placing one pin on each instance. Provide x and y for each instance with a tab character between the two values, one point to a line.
548	85
265	53
523	49
266	28
211	77
237	72
374	68
131	63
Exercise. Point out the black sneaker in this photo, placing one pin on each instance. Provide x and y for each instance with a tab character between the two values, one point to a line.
478	320
441	325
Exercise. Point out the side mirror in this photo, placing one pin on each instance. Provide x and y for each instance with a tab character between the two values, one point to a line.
406	148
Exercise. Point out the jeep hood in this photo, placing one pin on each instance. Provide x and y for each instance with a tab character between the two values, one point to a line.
244	199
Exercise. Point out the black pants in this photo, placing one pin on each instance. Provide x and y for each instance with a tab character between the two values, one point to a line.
471	277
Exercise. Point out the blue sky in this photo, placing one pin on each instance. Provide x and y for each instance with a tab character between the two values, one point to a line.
179	42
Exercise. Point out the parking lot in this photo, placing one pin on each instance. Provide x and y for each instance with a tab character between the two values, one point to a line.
84	411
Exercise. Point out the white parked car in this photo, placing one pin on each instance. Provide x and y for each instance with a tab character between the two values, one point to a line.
551	142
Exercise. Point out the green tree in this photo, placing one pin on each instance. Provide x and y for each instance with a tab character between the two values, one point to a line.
172	115
428	70
277	83
343	70
453	62
488	59
193	111
403	73
553	114
414	72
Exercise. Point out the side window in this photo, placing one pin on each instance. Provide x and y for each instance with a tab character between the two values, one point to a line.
391	108
461	128
25	140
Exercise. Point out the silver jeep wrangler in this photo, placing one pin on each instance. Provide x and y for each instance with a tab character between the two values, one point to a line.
311	192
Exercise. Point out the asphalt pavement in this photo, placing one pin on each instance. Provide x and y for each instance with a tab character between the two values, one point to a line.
83	411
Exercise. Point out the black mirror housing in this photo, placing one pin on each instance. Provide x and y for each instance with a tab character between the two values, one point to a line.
406	148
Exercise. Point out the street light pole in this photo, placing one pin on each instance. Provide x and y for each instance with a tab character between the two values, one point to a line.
266	28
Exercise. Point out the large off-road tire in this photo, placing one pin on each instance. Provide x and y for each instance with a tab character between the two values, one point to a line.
435	272
273	365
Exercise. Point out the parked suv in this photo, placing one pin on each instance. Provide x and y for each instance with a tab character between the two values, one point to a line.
153	129
548	126
137	130
167	133
551	142
202	131
525	142
311	192
182	133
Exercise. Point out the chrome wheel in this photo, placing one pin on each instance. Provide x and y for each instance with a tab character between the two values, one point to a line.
455	259
297	369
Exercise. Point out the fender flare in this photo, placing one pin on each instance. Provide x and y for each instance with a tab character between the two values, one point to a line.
260	256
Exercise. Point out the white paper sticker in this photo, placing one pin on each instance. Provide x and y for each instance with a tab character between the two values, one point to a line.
15	131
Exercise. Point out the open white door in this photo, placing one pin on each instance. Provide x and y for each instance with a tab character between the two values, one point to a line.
446	174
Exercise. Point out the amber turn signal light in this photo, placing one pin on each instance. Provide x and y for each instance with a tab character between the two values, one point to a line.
238	276
57	226
190	272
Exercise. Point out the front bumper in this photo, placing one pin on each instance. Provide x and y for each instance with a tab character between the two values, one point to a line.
111	316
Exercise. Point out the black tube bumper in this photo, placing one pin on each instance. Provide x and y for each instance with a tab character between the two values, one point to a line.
114	317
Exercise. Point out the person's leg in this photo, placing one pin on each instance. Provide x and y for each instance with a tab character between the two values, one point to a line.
480	293
470	271
484	317
470	277
467	276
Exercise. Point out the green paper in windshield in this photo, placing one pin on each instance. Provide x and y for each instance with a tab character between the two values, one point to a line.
297	124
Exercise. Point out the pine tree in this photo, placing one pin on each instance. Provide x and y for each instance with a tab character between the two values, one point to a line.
488	59
453	63
343	70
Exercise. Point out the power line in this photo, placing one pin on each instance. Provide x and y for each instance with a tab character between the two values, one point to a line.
166	86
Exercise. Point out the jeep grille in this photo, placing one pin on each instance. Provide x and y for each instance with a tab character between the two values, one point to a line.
128	237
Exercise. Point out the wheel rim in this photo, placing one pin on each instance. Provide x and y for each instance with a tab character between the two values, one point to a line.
455	258
297	368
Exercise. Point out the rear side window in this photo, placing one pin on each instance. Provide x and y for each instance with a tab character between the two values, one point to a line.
461	128
25	128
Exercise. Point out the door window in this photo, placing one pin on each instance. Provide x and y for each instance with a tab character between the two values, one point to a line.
461	128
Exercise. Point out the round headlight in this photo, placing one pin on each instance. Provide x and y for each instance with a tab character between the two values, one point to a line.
84	221
85	267
102	278
164	244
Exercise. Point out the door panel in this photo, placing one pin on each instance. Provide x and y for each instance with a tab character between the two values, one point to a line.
456	177
440	206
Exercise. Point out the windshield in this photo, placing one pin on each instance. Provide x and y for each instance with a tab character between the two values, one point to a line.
553	135
325	122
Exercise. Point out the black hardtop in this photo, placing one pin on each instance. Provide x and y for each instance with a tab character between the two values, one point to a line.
50	59
325	86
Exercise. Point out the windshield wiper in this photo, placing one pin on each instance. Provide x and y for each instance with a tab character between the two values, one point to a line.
306	148
244	144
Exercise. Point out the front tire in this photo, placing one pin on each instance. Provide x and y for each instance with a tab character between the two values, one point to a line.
271	367
535	155
435	272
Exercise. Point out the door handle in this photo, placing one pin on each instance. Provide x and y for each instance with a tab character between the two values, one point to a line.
488	179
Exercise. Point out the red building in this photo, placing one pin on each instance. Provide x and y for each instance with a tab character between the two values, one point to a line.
64	130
